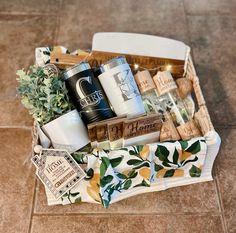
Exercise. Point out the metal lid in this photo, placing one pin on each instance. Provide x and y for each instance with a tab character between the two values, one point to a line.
76	69
113	63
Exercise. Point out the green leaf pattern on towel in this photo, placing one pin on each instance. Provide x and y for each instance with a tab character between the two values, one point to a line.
112	173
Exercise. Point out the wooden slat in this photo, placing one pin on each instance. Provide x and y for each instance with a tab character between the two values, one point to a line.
96	58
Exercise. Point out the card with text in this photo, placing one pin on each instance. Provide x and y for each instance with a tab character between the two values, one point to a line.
58	171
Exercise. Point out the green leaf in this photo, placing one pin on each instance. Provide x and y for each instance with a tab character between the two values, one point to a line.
157	167
132	152
104	165
195	171
106	151
103	169
162	153
43	93
79	157
127	184
134	162
116	161
125	149
139	148
106	180
105	203
121	176
132	174
169	173
74	194
78	200
142	184
189	161
175	156
184	144
145	164
166	164
194	148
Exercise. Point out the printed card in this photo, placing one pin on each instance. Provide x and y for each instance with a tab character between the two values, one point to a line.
58	171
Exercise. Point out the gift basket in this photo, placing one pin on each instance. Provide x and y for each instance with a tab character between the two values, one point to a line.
117	120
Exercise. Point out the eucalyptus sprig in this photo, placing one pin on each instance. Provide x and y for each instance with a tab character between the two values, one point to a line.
43	93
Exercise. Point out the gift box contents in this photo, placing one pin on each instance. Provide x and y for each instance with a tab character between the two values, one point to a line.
91	103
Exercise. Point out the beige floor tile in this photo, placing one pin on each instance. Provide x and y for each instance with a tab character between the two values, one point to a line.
17	180
17	172
61	224
213	43
226	174
198	198
81	19
128	223
29	7
209	7
14	114
15	211
19	37
166	224
230	216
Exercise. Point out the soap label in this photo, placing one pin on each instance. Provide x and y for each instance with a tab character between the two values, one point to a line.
58	171
164	82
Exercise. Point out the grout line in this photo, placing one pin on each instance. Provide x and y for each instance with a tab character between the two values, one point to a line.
224	126
211	14
220	203
33	205
16	127
58	24
187	26
18	13
124	213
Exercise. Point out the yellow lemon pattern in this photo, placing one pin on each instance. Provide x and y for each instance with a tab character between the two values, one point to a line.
179	173
161	173
185	155
94	188
145	172
145	152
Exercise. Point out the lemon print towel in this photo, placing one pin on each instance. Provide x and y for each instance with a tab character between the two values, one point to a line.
112	174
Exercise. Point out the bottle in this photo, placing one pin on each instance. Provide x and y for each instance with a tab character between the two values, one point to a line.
148	92
152	104
172	103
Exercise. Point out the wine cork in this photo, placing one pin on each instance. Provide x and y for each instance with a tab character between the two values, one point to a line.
189	130
168	132
185	87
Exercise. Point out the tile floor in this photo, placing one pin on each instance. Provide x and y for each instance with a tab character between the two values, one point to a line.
208	26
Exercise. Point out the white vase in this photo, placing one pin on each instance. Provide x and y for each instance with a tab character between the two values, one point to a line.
67	132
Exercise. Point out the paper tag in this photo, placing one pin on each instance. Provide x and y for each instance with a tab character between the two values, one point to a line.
164	82
58	171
